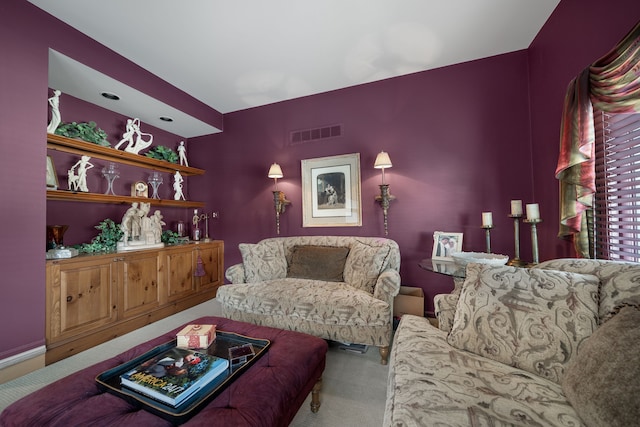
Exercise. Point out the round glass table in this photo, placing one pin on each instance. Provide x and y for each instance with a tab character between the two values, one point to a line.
445	267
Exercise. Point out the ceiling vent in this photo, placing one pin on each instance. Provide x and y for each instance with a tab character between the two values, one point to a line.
308	135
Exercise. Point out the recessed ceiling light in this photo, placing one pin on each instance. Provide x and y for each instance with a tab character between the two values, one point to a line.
110	95
166	119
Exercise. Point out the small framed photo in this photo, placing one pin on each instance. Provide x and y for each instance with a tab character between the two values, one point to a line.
52	176
445	243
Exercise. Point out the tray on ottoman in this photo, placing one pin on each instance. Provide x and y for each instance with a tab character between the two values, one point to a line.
110	379
269	393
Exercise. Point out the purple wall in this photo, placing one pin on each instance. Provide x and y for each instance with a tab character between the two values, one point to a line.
576	35
26	34
457	137
463	139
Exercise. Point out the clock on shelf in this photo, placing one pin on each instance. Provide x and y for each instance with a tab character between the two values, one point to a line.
139	189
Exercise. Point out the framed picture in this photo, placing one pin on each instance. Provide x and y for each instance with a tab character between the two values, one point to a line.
446	243
331	191
52	176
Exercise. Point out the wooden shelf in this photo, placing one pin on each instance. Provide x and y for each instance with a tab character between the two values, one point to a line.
78	196
74	146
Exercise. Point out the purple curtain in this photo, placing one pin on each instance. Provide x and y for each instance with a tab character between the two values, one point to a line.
611	84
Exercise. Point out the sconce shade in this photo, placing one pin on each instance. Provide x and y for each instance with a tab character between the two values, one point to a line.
382	161
275	171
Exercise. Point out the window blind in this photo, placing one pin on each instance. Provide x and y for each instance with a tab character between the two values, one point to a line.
617	201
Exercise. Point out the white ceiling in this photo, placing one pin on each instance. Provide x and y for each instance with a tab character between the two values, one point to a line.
233	55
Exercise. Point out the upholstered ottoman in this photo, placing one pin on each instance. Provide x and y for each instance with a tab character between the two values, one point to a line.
269	393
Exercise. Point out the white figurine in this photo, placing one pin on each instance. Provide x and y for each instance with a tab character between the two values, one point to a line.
130	224
139	230
54	101
133	130
77	178
182	150
177	186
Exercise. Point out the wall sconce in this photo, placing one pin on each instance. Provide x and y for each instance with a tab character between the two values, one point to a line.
382	162
280	202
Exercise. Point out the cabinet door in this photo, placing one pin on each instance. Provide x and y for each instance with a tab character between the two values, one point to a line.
208	265
139	287
178	265
80	297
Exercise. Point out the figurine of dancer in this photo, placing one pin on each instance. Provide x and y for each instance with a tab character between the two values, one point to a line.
133	130
54	101
177	186
78	177
182	150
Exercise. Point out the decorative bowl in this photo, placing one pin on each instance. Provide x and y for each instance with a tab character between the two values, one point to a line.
464	258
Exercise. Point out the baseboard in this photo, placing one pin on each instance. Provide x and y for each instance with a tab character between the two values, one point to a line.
21	364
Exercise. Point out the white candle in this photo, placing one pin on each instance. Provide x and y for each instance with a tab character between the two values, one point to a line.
487	219
516	207
533	211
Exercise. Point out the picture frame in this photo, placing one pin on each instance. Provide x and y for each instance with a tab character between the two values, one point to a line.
52	176
331	191
445	243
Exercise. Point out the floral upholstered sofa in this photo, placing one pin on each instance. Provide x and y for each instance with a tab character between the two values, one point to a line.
554	345
334	287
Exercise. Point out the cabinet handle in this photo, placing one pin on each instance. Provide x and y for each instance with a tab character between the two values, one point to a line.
69	298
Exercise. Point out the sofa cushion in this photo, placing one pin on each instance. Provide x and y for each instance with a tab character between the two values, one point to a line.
603	381
364	264
318	263
530	319
619	280
263	261
431	383
330	303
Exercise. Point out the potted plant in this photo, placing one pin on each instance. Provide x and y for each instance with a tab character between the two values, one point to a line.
106	241
160	152
86	131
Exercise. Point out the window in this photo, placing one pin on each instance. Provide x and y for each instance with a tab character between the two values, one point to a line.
617	201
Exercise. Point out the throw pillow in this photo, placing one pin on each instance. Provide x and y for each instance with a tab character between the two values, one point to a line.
318	263
263	261
530	319
364	265
602	382
619	280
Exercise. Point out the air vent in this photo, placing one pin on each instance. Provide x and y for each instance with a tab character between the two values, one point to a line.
308	135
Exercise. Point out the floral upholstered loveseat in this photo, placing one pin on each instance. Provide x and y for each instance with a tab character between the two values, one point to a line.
334	287
554	345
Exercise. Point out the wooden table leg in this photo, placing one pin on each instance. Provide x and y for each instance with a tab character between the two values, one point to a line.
315	396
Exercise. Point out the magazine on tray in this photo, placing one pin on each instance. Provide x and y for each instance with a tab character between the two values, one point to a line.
174	375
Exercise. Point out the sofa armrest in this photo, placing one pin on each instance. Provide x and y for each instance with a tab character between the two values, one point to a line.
235	273
387	286
445	310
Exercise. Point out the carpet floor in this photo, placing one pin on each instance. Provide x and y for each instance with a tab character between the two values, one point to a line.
353	388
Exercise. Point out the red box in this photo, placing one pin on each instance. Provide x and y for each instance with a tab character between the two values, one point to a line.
196	336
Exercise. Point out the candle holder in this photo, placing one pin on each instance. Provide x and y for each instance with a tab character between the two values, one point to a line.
487	233
516	261
280	203
384	198
206	217
155	179
110	172
534	239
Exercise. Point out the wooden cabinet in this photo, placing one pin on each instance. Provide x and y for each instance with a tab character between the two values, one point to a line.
139	275
206	270
91	299
179	274
80	296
